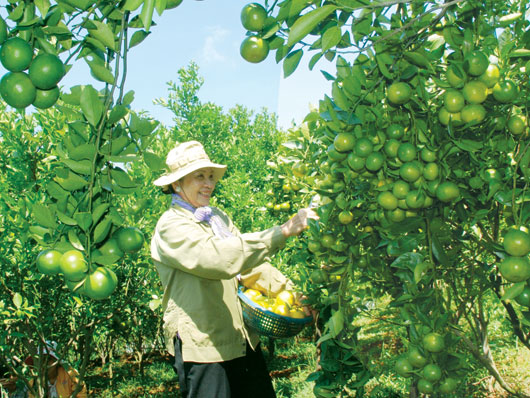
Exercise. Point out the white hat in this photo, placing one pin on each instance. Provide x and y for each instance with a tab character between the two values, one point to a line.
49	349
184	159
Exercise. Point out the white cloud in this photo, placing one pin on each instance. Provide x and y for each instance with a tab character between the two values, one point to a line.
211	51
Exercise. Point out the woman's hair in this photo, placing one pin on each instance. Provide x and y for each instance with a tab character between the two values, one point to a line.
168	189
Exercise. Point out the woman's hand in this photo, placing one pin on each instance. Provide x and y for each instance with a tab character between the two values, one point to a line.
297	224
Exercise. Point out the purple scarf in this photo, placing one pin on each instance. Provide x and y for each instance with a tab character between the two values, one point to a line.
204	214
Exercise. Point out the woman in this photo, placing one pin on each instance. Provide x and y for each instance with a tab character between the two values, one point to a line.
62	379
201	258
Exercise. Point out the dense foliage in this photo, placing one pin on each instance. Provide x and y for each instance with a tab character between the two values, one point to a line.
418	163
420	158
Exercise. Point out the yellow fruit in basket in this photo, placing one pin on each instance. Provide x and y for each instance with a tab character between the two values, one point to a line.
252	294
298	313
266	303
260	301
285	297
281	309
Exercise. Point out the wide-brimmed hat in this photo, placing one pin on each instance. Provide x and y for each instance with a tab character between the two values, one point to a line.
49	349
184	159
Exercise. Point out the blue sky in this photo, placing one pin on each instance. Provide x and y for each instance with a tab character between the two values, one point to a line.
209	32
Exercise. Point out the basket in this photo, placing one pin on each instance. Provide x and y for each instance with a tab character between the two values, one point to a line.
267	323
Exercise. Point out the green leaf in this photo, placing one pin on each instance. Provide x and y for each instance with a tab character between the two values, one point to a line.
335	324
339	97
121	178
44	216
154	304
65	219
419	270
331	38
146	15
80	4
116	217
132	5
102	229
439	252
117	113
314	59
74	98
115	146
128	98
57	30
513	291
382	66
101	72
126	158
407	261
295	6
291	62
138	37
74	240
352	86
41	234
469	145
105	259
160	6
83	151
520	53
43	6
79	167
27	23
55	190
307	22
91	105
142	126
72	182
418	58
17	300
17	13
84	220
506	20
103	33
98	212
46	46
96	43
504	197
153	161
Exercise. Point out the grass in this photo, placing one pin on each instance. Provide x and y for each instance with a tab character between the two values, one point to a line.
158	381
291	361
289	365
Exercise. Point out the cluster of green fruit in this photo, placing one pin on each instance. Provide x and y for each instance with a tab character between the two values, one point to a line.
98	283
37	86
420	362
254	47
280	196
471	82
406	175
515	267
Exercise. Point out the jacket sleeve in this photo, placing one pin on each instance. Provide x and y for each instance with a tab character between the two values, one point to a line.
182	243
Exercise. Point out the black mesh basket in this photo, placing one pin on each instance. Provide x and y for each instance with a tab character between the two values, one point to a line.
267	323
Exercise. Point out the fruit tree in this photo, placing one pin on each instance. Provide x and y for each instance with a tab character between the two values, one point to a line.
420	159
68	242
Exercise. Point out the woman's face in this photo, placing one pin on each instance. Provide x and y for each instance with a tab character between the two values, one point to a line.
196	188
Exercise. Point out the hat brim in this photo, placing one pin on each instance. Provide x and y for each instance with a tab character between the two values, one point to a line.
169	178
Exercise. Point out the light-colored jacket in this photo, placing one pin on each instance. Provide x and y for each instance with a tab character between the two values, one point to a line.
199	272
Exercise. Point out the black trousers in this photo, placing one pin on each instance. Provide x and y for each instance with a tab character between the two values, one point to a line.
238	378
